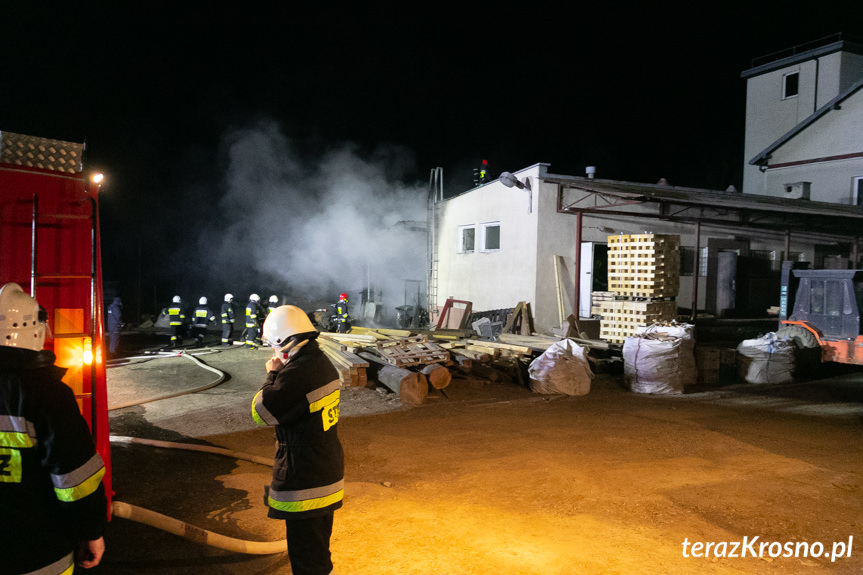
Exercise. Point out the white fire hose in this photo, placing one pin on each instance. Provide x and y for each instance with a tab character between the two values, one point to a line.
181	528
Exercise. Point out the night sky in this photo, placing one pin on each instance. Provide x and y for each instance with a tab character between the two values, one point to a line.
160	91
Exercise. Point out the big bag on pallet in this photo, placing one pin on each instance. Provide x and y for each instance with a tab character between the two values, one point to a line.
766	359
658	361
562	368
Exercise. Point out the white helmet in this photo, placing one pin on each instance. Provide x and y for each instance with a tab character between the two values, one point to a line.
274	299
286	321
202	301
20	321
176	299
229	297
254	297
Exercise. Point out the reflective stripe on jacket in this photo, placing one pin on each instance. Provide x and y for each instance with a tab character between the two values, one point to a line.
301	400
252	312
227	313
176	315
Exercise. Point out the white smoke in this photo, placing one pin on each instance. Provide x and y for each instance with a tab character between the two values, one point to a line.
312	229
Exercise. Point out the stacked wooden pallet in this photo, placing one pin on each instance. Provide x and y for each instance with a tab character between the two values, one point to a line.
351	367
644	276
414	350
644	265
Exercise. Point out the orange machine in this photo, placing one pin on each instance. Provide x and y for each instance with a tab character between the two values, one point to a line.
821	309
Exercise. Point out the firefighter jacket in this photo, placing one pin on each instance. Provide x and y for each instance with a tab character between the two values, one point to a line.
301	400
342	310
176	315
254	314
203	316
227	313
51	491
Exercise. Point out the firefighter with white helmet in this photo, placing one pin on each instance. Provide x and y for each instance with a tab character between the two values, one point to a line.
176	320
254	317
227	319
51	491
301	400
272	304
203	317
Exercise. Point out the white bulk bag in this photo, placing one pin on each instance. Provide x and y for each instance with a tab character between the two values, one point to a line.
658	363
562	368
766	359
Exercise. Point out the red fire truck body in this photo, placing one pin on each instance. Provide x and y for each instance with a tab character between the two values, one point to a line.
49	245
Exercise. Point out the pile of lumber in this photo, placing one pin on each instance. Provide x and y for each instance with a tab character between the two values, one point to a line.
351	367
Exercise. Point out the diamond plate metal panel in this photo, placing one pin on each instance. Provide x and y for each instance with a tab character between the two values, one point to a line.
44	153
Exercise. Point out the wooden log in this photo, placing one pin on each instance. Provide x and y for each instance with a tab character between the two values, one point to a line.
411	386
438	376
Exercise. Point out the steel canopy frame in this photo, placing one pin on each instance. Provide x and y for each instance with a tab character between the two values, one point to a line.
698	207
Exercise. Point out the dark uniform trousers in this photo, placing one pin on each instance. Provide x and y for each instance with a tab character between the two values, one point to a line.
309	548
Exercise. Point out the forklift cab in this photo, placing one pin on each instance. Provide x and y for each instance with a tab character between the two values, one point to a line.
820	310
829	300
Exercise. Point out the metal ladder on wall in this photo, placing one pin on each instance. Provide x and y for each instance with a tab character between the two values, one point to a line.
435	194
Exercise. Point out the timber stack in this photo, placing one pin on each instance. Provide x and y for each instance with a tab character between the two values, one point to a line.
644	278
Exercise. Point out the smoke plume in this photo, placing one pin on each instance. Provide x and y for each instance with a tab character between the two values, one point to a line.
307	230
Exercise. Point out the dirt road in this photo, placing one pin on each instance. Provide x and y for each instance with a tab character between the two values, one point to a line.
495	479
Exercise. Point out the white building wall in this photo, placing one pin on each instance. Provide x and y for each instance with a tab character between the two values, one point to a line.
838	133
769	116
489	279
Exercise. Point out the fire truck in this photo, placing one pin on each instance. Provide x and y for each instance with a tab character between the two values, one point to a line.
49	245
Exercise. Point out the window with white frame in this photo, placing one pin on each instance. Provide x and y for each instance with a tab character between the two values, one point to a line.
466	239
857	200
490	237
790	85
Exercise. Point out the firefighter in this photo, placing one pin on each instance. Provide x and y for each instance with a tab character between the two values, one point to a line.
254	316
301	400
176	319
203	317
272	304
115	325
227	319
51	491
343	324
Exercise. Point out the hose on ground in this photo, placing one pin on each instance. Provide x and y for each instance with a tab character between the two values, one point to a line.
193	447
220	379
183	529
196	534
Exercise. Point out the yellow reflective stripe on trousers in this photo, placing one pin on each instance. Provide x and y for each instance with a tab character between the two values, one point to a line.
81	482
307	499
64	566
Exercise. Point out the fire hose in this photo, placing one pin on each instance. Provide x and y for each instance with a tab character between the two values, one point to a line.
192	357
181	528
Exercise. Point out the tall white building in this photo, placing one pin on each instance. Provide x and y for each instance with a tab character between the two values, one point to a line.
804	123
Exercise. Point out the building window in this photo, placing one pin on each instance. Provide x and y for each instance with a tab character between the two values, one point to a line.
466	239
790	85
490	237
686	261
858	192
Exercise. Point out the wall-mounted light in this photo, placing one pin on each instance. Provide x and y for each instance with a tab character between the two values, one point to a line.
510	181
